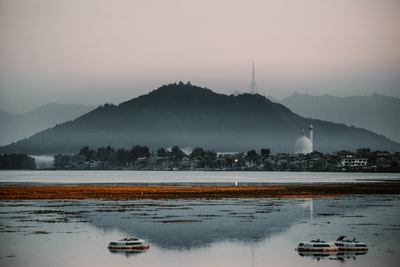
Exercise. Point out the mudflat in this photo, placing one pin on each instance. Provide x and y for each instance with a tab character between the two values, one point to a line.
130	192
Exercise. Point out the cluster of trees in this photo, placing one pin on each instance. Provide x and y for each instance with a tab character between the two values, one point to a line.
123	157
17	162
139	156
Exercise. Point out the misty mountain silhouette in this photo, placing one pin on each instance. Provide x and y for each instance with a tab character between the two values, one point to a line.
377	113
190	116
17	126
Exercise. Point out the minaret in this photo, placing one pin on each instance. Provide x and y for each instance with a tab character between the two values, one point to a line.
312	137
253	88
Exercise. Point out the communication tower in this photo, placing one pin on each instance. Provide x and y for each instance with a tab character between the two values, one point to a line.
253	88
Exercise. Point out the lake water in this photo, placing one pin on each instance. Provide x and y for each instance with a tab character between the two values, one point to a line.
173	177
225	232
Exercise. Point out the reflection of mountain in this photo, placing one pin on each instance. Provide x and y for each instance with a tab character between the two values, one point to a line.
191	224
201	223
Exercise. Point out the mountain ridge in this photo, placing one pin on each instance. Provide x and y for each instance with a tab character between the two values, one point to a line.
23	125
377	113
191	116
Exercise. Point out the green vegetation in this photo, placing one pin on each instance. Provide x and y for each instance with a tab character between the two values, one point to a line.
17	162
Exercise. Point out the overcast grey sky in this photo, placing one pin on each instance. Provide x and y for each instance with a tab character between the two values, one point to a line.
97	51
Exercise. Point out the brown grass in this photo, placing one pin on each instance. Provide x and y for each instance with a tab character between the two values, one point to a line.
179	192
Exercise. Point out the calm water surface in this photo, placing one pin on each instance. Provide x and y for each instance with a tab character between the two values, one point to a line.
159	177
227	232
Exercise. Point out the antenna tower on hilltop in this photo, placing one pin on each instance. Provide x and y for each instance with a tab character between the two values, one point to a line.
253	88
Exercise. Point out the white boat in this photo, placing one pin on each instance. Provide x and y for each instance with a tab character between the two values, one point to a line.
345	244
128	243
317	246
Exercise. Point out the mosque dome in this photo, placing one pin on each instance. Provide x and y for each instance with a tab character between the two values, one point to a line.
303	145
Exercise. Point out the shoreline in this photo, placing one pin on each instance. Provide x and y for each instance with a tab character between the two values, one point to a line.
137	192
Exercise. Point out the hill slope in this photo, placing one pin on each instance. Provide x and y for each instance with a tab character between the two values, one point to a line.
17	126
190	116
376	112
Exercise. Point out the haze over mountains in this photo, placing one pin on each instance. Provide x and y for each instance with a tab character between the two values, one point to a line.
18	126
190	116
377	113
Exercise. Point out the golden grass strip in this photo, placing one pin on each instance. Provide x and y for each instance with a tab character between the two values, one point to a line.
127	192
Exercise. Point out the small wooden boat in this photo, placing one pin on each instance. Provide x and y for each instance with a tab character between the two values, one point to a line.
128	243
345	244
317	246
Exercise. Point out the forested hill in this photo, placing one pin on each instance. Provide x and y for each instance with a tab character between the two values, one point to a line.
190	116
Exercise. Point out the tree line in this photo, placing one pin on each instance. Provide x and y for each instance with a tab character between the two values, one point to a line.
142	158
17	162
108	157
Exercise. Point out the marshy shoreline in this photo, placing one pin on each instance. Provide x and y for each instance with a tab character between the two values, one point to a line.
132	192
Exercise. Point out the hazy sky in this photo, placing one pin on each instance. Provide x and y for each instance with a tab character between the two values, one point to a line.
97	51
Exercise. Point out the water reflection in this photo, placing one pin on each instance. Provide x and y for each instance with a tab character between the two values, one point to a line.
341	256
199	223
232	232
319	255
126	252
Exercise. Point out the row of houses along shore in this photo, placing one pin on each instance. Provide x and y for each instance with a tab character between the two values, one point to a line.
363	160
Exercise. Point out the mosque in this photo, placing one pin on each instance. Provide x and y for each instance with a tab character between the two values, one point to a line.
304	144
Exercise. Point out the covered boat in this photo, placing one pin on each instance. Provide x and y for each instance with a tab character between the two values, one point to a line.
345	244
128	243
317	246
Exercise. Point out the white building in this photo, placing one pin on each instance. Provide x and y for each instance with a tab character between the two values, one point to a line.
353	162
304	144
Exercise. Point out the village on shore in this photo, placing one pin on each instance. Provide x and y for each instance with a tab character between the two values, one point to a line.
176	159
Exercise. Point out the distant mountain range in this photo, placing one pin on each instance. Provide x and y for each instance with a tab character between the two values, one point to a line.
18	126
190	116
377	113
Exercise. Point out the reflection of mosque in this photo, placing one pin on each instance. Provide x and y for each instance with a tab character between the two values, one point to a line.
308	210
308	207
